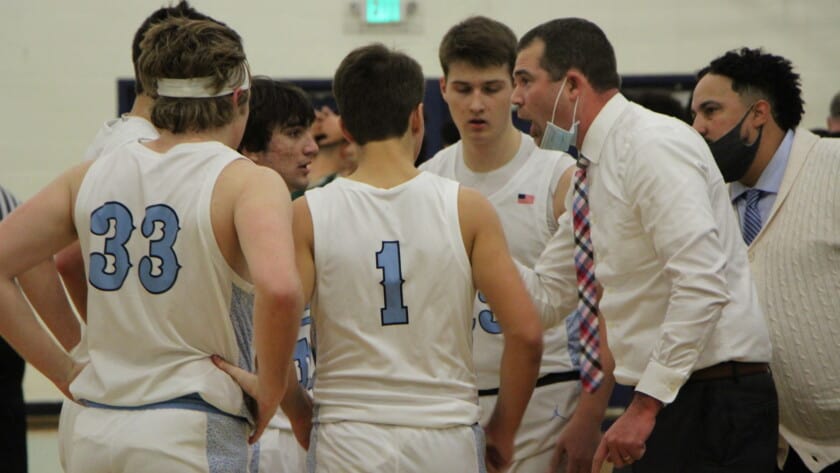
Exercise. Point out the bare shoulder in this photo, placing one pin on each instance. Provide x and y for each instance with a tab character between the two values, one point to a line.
476	215
242	178
301	220
74	176
472	204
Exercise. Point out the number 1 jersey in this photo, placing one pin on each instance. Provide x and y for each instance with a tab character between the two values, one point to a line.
392	305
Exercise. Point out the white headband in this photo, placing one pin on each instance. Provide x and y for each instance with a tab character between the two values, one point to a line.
197	87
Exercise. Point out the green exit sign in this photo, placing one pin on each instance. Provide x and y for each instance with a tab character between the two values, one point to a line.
383	11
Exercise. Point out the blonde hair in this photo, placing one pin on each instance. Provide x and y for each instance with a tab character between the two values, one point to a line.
181	48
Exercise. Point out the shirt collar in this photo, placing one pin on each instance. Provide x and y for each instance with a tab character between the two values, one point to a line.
596	135
770	180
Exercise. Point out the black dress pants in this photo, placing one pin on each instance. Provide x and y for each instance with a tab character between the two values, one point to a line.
727	425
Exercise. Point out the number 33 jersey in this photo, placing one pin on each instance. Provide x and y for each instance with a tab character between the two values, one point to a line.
161	297
392	304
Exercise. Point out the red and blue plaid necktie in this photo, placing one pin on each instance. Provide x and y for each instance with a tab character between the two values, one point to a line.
586	313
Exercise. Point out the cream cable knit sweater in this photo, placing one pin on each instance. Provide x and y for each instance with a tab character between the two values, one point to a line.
795	262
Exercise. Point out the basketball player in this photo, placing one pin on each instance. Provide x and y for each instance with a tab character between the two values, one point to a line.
389	257
114	133
180	232
130	127
278	136
527	187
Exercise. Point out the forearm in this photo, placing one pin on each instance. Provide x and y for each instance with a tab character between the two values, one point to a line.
276	323
44	291
552	282
548	294
592	407
519	371
296	403
21	329
71	267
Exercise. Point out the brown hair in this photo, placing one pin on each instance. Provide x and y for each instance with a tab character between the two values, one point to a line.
181	48
376	90
480	42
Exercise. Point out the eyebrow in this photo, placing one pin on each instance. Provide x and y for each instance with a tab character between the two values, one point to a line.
522	72
487	82
704	104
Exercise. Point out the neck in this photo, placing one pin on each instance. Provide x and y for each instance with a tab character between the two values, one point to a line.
167	139
386	163
325	163
142	107
771	139
590	106
486	156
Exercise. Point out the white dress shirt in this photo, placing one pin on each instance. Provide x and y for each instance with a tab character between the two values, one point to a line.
678	295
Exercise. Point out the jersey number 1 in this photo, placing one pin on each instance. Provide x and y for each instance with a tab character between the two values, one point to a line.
388	260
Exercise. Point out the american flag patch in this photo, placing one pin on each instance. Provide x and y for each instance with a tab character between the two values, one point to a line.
524	199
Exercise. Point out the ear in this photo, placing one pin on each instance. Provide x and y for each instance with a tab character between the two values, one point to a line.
443	88
344	131
761	113
237	94
576	82
416	120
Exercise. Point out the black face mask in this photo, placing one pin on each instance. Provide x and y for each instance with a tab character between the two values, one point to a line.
732	155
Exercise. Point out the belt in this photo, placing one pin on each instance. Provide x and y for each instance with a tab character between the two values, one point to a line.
729	370
550	378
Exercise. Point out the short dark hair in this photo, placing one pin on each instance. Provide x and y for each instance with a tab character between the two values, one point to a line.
376	90
182	9
834	109
480	42
274	104
576	43
754	72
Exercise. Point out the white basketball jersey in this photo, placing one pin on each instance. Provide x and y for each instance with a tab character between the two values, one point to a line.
523	203
113	134
392	305
119	131
305	364
161	298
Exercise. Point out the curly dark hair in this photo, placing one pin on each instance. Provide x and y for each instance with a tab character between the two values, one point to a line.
764	75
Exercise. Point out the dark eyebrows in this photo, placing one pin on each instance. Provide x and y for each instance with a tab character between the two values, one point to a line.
522	73
464	83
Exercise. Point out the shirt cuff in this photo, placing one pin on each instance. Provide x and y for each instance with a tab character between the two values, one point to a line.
660	382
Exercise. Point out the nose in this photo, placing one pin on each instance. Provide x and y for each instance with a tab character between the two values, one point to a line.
700	125
476	102
517	98
310	148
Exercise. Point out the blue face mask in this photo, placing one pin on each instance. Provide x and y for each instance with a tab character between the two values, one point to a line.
556	138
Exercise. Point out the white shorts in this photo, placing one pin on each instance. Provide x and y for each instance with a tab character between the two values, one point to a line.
279	452
158	440
66	425
549	410
358	447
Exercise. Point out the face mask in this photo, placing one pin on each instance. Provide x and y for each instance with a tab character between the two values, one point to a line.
555	137
732	155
